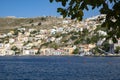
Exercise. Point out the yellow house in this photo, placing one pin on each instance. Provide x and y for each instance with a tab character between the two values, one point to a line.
12	32
68	50
2	51
92	46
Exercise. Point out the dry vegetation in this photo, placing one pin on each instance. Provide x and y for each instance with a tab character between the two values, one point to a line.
7	24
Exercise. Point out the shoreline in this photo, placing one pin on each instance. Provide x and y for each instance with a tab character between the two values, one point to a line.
61	55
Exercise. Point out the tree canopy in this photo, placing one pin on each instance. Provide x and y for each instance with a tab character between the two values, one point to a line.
111	8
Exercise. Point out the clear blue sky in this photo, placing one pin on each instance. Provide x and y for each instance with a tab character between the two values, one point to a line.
33	8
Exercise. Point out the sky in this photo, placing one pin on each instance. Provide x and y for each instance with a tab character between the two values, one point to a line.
34	8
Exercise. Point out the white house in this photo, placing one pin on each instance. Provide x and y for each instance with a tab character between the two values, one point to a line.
58	52
9	52
9	34
18	44
30	30
21	29
1	45
11	40
53	31
59	29
30	52
65	22
7	46
27	33
102	33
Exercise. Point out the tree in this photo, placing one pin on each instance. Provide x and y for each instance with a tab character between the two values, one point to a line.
31	21
55	46
105	46
39	23
76	51
78	41
95	38
111	8
16	31
17	50
117	50
73	37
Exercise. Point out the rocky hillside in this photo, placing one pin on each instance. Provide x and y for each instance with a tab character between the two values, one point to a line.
7	24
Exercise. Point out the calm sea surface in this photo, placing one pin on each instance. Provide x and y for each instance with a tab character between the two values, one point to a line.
59	68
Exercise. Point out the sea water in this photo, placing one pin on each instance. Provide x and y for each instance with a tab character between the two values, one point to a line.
59	68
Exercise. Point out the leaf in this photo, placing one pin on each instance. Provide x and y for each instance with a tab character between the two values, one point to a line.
71	2
111	1
58	0
93	7
82	6
59	10
86	7
64	15
73	17
114	39
105	24
80	13
64	3
51	1
79	18
116	6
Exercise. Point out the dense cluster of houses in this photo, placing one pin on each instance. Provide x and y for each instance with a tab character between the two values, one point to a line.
28	43
24	41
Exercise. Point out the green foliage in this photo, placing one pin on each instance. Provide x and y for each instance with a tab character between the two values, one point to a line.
95	51
85	30
64	34
94	38
117	50
74	9
88	41
32	25
43	18
38	52
106	46
17	51
75	33
1	40
45	44
54	45
14	48
76	51
31	21
39	23
33	32
57	35
16	31
73	37
78	41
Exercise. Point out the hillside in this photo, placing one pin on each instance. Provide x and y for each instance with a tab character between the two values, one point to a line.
33	35
7	24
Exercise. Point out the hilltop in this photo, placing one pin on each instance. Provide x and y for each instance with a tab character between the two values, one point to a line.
9	23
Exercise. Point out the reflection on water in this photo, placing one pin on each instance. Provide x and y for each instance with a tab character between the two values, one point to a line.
59	68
